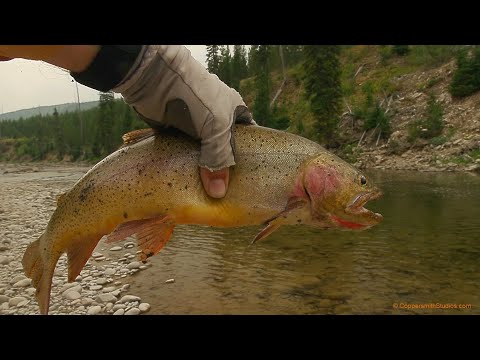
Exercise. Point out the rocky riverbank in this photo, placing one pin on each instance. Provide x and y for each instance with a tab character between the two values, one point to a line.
27	199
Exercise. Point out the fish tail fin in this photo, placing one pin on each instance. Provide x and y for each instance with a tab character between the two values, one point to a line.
40	271
79	253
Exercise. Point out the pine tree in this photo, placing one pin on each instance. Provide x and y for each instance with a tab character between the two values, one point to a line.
239	66
261	108
225	66
252	60
105	135
323	89
213	59
400	50
58	135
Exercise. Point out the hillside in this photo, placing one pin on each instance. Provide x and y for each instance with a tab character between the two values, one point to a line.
403	85
47	110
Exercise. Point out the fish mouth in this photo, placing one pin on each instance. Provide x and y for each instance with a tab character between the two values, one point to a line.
356	207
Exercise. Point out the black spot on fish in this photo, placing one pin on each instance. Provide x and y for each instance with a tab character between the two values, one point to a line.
125	215
85	191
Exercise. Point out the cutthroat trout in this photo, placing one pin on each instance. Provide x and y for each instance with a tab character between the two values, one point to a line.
153	183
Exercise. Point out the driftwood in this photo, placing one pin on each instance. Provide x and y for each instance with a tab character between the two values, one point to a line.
284	81
378	138
358	71
360	141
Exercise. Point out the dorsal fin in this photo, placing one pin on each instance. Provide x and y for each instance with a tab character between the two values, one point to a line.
135	136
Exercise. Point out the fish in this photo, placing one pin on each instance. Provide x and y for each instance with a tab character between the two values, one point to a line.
152	183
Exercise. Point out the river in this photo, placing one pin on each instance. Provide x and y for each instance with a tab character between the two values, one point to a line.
422	259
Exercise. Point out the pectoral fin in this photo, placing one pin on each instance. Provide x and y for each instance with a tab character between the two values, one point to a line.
278	220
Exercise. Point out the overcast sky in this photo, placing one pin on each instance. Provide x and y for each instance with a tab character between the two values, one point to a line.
25	84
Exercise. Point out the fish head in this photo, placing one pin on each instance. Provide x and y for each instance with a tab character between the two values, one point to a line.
337	193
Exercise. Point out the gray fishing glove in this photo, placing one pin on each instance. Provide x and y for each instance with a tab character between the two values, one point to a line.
170	87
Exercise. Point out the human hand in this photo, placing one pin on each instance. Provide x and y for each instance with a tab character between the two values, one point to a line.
171	88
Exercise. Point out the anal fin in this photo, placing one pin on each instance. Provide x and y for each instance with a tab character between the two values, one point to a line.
152	234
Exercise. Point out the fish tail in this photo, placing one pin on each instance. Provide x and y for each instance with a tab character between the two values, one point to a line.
40	271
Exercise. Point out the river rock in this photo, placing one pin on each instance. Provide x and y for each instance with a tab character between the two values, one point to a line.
22	283
97	255
105	298
169	281
87	301
119	312
95	287
4	260
16	300
144	307
109	272
118	306
116	248
133	311
94	310
17	279
77	288
4	298
101	281
72	295
129	298
129	245
134	265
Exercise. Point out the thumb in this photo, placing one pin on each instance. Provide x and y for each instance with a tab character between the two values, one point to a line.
215	183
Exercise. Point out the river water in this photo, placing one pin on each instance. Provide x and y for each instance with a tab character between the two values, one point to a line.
426	251
424	258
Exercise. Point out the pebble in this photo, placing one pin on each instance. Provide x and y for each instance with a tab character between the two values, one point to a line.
131	256
97	255
134	265
4	260
119	312
101	258
116	248
72	295
4	306
129	298
109	272
68	286
119	306
169	281
3	299
115	292
77	288
31	291
95	287
101	281
129	245
16	300
17	279
94	310
105	298
144	307
87	301
22	283
132	311
109	289
23	303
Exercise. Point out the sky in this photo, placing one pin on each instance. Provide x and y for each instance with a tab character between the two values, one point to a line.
25	84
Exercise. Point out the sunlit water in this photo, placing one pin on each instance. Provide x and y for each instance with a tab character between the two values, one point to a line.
426	251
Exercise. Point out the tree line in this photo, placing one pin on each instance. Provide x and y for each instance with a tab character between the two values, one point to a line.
95	133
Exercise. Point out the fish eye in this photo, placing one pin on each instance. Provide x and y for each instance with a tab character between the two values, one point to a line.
363	180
